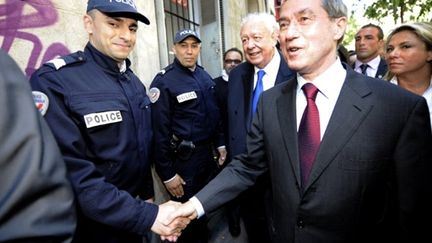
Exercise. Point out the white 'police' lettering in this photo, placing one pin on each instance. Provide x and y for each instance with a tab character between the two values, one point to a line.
185	32
102	118
186	96
129	2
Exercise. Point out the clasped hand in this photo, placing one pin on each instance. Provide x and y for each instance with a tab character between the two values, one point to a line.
172	219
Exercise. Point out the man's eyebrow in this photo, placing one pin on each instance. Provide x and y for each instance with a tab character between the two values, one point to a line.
304	11
299	12
121	19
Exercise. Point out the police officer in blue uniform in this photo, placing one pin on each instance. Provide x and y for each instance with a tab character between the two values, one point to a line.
100	115
186	123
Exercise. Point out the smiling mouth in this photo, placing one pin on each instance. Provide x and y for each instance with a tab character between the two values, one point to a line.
254	54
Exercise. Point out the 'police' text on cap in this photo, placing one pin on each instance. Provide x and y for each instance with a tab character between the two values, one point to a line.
117	8
185	33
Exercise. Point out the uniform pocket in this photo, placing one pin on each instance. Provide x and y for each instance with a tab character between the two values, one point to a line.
96	110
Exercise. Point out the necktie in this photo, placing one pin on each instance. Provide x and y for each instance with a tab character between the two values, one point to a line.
258	90
363	68
309	132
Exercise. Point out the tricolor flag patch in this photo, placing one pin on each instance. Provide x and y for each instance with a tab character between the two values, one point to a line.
41	101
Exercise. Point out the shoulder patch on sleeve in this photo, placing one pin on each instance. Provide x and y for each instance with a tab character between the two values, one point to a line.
154	94
60	62
41	101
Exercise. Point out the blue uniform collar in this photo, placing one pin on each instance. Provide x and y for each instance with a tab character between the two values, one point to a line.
105	62
179	65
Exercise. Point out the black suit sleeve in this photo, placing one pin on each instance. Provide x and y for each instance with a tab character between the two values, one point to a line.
36	200
241	173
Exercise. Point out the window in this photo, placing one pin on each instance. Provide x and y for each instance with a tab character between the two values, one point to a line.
179	14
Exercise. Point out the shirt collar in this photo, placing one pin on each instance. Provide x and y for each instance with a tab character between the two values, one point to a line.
273	65
105	62
374	63
123	67
225	75
329	83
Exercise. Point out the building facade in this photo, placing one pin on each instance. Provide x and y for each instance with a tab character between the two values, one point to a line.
35	31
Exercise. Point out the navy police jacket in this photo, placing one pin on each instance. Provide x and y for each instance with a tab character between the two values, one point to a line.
102	122
186	107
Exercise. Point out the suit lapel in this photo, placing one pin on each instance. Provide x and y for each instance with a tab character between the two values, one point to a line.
382	69
247	79
351	108
286	113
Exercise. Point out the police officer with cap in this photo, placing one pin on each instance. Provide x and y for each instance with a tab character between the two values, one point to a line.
100	115
186	126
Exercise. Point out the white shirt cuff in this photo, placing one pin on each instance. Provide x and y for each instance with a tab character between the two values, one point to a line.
170	179
198	206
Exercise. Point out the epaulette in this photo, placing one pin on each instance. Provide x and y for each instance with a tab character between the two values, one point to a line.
60	62
165	70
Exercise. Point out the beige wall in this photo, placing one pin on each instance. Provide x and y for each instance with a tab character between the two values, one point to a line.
35	31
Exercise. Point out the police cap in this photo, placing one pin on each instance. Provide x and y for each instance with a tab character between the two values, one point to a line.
117	8
185	33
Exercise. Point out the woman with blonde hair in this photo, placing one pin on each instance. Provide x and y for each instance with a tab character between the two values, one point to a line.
409	59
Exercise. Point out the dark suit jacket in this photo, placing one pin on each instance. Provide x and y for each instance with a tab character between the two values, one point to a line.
240	89
382	69
371	179
36	198
221	87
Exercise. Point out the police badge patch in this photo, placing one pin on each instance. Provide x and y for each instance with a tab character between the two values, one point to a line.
154	94
41	101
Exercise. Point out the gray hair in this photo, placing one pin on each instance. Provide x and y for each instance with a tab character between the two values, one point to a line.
335	8
266	18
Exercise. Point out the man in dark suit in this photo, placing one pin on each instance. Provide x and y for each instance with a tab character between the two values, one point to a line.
370	177
231	58
259	36
369	42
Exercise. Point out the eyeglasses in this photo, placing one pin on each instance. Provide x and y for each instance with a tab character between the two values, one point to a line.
233	61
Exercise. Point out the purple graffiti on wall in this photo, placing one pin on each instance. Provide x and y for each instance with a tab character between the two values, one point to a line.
13	20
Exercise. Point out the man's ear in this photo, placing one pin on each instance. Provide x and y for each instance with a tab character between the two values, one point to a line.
339	27
88	23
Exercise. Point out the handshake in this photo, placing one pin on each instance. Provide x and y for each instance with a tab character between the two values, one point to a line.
172	218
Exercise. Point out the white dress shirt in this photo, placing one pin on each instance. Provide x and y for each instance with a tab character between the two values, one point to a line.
329	84
271	71
372	69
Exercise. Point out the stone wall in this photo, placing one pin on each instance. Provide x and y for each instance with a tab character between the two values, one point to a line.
35	31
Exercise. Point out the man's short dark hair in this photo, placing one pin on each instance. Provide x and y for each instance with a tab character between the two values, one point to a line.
233	49
380	31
